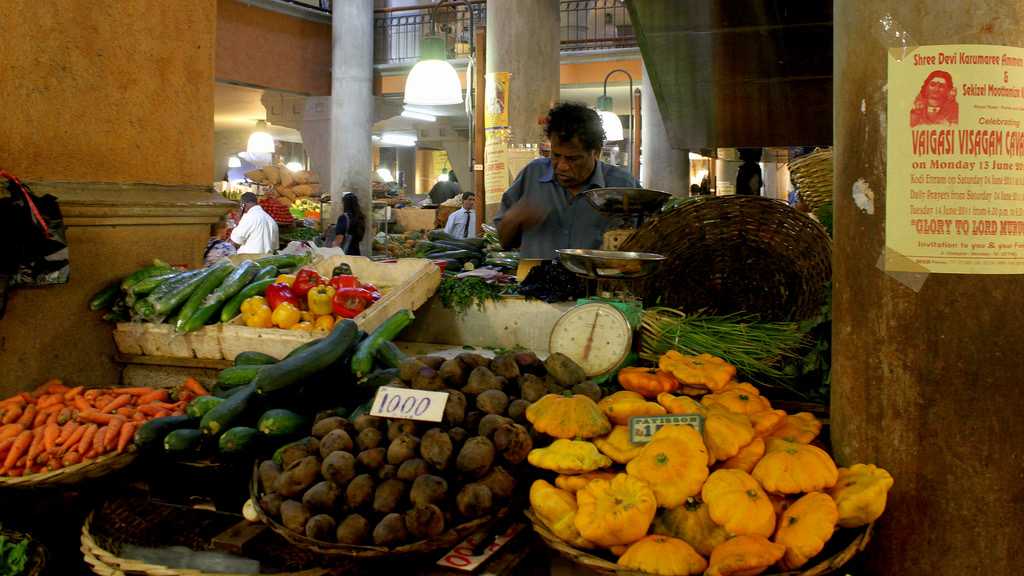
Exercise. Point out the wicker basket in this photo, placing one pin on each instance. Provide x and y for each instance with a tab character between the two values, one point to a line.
736	254
813	177
36	565
71	474
838	552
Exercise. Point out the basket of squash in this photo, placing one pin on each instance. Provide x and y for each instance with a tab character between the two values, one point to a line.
746	490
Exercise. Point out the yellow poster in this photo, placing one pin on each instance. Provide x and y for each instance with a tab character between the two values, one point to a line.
496	171
496	99
955	152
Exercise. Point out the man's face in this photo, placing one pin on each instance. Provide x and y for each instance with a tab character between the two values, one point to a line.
572	162
938	88
468	203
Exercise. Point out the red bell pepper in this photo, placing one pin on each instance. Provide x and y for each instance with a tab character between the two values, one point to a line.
281	292
350	302
371	289
344	281
306	279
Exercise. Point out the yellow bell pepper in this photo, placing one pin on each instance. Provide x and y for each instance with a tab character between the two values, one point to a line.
319	299
288	279
253	303
258	317
303	326
307	316
286	315
325	323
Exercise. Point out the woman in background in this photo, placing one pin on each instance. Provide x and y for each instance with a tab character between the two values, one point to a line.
351	226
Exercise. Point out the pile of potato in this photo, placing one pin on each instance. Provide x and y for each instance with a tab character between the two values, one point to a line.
289	186
389	482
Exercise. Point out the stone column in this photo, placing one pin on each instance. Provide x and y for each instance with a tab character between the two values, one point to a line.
662	167
316	137
925	378
352	107
523	39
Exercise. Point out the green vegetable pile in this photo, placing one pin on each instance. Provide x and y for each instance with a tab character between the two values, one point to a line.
461	294
13	556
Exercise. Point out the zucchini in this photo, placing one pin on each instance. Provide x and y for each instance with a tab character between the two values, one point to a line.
225	392
200	405
105	297
298	366
216	275
224	415
460	255
153	431
147	285
236	376
278	422
170	295
309	443
298	349
284	261
254	359
232	284
265	272
157	268
362	360
239	440
439	235
379	378
234	305
389	355
182	440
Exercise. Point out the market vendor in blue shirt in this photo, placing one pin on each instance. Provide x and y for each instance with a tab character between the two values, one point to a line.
545	208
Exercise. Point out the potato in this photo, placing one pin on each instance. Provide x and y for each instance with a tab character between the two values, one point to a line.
389	496
428	489
298	450
553	386
458	435
436	448
339	467
409	368
390	531
359	492
532	388
387	472
529	363
369	438
298	478
413	469
474	500
513	442
472	420
476	456
566	372
398	427
433	362
454	372
490	423
481	379
517	410
321	527
322	497
365	421
354	530
402	449
294	516
269	471
589	389
492	401
371	459
505	366
428	379
326	425
471	360
500	482
271	504
335	440
425	522
455	408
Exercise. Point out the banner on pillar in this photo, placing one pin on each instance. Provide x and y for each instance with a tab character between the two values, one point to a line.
496	99
954	197
496	170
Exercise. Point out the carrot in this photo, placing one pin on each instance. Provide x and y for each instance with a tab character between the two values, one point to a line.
35	448
16	399
72	442
127	433
122	400
139	417
49	400
49	387
50	435
71	458
102	400
13	414
16	472
86	442
66	430
162	413
113	431
193	385
5	445
91	394
153	408
154	396
134	390
52	418
96	417
65	415
99	440
40	418
28	416
82	404
126	411
73	393
10	431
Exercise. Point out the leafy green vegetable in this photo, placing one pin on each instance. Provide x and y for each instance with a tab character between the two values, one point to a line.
461	294
13	556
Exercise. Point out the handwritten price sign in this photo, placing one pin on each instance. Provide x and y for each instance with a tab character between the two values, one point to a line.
409	404
461	557
642	428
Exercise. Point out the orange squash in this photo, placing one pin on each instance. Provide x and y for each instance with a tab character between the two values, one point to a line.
615	512
681	404
743	398
805	527
623	405
663	555
726	432
569	417
801	427
791	468
648	382
617	445
736	501
673	463
744	556
702	370
747	457
691	523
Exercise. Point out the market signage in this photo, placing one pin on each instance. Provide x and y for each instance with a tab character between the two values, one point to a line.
642	428
409	404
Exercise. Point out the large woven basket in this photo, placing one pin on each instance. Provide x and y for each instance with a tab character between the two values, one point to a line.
736	254
844	545
71	475
813	177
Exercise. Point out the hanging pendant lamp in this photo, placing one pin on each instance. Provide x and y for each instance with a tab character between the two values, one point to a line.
433	81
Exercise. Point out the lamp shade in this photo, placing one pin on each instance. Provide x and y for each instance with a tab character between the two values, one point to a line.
234	161
433	83
294	166
260	143
612	126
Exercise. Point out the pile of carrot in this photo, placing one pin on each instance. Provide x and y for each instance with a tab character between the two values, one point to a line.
56	426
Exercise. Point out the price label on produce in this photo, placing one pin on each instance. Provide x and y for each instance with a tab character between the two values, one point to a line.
409	404
642	428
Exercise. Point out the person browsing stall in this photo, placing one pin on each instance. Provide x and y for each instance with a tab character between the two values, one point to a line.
351	226
545	208
462	223
256	232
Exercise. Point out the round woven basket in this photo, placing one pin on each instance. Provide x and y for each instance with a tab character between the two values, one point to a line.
36	564
71	474
736	254
813	177
840	550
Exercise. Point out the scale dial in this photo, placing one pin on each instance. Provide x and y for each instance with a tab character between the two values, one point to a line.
596	336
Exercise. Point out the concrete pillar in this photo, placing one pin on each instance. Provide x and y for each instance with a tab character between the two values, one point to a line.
458	153
523	39
925	377
662	167
316	137
407	166
352	107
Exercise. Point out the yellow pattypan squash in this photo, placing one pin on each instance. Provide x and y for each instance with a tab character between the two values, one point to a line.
801	427
568	457
744	556
747	457
681	404
743	398
574	416
648	382
767	421
557	510
673	463
805	527
615	512
691	523
616	445
663	555
791	468
860	493
574	483
736	501
623	405
726	432
701	371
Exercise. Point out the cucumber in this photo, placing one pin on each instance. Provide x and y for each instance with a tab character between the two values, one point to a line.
254	359
379	378
389	355
170	295
278	422
153	431
224	415
460	255
281	262
157	268
147	285
312	360
265	272
105	297
232	284
199	406
236	376
225	392
239	440
362	360
234	305
298	349
307	443
182	440
218	272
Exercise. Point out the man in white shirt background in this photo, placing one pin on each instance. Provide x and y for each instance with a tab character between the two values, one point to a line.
462	223
256	232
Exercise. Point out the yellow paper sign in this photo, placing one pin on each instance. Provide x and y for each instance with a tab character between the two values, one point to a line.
496	99
954	199
496	174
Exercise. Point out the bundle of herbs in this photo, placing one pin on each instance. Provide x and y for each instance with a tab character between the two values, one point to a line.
461	294
13	555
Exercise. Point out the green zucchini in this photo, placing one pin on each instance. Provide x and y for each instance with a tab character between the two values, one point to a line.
105	297
439	235
301	347
224	415
232	284
312	360
254	359
265	272
362	360
151	433
235	376
460	255
389	355
225	392
379	378
182	440
234	305
200	405
147	285
278	422
157	268
239	440
307	443
218	272
283	261
170	295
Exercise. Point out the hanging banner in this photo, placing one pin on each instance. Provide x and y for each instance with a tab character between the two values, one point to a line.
496	99
496	172
955	152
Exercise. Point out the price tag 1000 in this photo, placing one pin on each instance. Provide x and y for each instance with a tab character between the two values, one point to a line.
642	428
409	404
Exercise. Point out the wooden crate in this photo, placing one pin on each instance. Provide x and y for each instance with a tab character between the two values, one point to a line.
138	338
